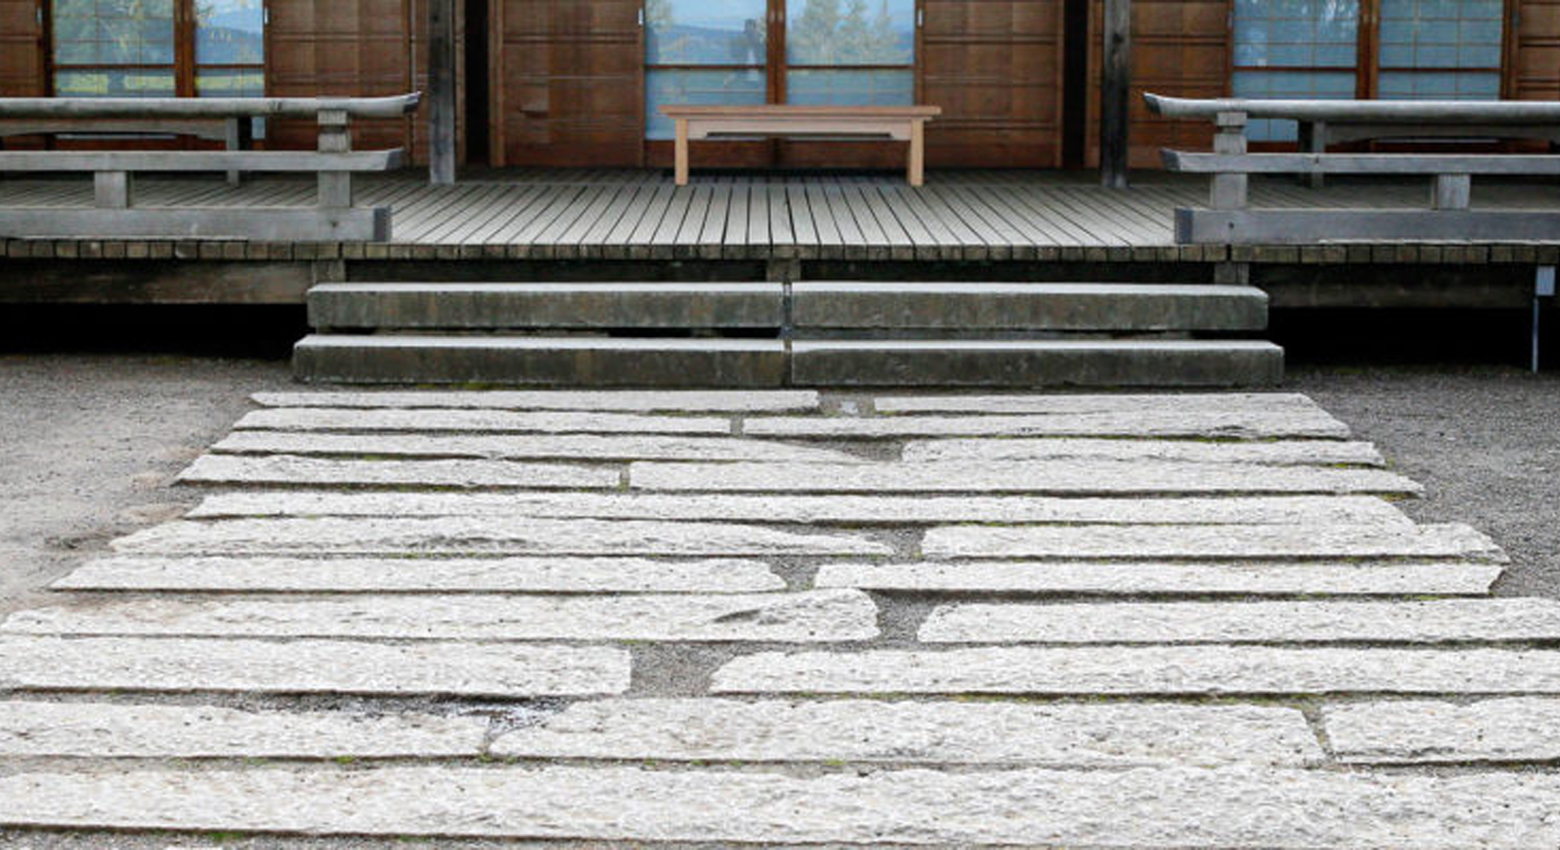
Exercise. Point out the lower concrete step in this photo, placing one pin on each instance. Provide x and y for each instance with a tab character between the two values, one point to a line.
1065	307
459	306
1036	363
578	361
540	361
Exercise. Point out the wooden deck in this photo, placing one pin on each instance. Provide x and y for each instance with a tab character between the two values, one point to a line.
608	214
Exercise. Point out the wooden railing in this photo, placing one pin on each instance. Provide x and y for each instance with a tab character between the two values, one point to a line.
115	213
1447	216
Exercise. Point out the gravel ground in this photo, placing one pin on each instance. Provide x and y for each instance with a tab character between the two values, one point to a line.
88	444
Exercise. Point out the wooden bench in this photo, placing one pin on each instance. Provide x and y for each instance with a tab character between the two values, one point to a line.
896	123
116	215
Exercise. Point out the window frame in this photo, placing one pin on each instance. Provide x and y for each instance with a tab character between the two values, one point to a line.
185	65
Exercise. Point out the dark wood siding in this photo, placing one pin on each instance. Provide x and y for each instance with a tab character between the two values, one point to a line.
21	50
568	77
1535	62
995	67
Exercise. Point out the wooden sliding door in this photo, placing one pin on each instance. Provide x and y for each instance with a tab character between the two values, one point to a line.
567	83
995	67
21	49
1535	52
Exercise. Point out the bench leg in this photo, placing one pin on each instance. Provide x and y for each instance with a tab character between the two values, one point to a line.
682	152
917	173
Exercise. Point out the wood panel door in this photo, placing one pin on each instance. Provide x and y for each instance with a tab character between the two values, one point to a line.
995	68
1534	53
1179	48
567	83
22	49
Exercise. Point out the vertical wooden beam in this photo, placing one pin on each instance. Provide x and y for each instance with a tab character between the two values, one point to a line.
441	91
1115	89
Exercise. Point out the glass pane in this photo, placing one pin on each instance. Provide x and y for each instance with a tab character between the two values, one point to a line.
697	88
230	82
114	83
1448	85
1316	85
850	88
229	32
850	32
1296	33
705	32
113	32
1440	34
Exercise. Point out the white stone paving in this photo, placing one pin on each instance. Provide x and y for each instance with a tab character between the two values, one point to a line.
1432	621
1065	403
1081	477
829	615
1523	729
470	575
309	666
848	509
466	535
1151	577
1173	422
1239	806
492	421
1146	671
104	730
1277	453
1205	541
657	401
575	447
320	472
909	732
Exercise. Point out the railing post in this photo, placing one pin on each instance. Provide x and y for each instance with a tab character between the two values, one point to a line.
335	137
1229	191
1451	192
113	189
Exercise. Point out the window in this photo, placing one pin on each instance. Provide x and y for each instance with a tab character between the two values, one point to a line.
158	48
830	52
1424	50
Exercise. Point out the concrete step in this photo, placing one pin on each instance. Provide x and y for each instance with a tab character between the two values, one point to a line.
540	361
428	306
1016	307
594	361
1036	363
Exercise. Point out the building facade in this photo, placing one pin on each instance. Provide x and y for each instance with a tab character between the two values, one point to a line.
578	82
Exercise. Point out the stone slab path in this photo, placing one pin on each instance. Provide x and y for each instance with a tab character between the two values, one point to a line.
1146	621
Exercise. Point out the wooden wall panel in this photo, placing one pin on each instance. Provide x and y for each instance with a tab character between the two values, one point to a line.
568	87
995	67
21	50
1535	62
1180	48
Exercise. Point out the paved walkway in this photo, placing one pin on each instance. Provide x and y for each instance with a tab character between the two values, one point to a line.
1143	621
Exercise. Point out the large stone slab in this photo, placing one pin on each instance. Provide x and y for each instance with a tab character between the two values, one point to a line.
642	401
899	510
1430	732
1083	477
1426	621
1210	541
1075	403
289	469
487	535
525	446
1174	422
1146	671
104	730
931	732
1233	806
309	666
828	615
1157	577
493	421
1280	453
426	575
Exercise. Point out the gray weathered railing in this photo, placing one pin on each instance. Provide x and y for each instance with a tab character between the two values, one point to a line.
1448	217
115	214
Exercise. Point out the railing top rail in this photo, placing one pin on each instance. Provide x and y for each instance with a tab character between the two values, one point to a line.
1385	111
207	107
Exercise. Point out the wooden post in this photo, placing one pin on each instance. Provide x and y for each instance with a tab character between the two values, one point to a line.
335	190
441	92
680	165
1115	89
917	168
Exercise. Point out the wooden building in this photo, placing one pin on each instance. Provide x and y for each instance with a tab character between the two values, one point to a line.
576	82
